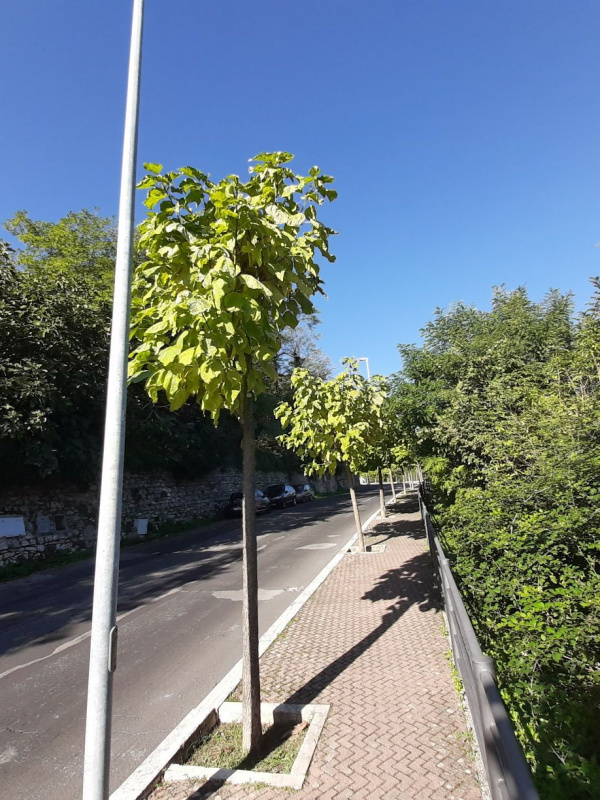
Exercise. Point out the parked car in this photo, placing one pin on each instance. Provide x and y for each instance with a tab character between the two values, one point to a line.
304	493
281	495
234	506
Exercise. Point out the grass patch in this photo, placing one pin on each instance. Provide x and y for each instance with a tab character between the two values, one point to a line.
25	568
222	748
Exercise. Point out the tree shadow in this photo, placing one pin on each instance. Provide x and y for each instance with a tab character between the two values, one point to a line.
406	586
45	607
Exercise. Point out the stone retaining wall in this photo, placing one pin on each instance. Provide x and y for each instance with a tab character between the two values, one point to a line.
63	519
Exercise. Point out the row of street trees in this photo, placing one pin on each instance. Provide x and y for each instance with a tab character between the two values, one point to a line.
222	305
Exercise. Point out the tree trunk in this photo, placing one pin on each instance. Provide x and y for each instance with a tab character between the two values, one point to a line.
251	725
392	484
404	483
381	494
359	531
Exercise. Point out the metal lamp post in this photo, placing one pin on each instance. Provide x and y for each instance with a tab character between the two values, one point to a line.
103	646
366	360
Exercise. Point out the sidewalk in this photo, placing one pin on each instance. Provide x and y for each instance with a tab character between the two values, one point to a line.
370	643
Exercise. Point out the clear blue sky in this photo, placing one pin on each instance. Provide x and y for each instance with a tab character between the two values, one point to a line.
463	135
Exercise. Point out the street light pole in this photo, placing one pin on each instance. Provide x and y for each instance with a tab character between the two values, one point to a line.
366	360
103	646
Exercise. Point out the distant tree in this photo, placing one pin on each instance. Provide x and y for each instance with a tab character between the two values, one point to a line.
55	306
333	423
81	244
299	349
230	266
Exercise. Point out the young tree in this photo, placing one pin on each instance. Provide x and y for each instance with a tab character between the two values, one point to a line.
230	265
333	422
382	451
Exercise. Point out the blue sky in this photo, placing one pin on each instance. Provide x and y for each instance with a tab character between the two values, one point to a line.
463	135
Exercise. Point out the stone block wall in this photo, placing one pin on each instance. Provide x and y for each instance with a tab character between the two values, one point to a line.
64	518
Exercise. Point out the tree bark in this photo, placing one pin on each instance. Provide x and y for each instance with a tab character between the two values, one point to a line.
392	484
381	494
359	531
251	725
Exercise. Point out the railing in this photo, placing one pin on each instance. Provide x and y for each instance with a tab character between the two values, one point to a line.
507	771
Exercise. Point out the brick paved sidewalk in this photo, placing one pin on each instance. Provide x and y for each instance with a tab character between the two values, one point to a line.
370	642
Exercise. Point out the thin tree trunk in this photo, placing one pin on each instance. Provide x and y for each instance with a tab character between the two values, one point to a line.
251	726
359	531
381	494
392	484
404	482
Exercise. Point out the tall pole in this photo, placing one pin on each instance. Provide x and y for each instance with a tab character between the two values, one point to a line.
366	360
103	645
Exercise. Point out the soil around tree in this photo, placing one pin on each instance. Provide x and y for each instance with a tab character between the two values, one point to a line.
222	747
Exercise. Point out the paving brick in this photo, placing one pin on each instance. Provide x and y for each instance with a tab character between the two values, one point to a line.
370	643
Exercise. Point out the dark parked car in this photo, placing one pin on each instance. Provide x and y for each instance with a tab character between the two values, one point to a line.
281	495
234	506
304	493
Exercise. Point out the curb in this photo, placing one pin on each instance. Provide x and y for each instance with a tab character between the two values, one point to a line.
141	782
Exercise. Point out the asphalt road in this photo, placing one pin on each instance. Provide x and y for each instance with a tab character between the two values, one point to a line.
179	634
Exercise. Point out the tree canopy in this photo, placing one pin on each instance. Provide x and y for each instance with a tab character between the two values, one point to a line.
231	265
335	422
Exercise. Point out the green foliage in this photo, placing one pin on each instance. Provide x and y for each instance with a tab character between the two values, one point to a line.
54	324
503	409
332	422
80	245
299	350
230	266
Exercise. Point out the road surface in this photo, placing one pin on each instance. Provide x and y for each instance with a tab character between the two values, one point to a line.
179	634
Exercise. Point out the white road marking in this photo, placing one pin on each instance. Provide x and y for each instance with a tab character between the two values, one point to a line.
317	546
138	782
8	755
237	595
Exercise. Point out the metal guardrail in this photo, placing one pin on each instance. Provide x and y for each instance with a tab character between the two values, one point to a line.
507	770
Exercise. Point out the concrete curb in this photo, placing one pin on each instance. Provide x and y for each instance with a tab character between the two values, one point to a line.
141	782
232	712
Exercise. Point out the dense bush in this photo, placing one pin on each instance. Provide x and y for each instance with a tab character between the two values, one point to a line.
503	409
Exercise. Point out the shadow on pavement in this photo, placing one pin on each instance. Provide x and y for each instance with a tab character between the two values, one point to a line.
41	609
408	585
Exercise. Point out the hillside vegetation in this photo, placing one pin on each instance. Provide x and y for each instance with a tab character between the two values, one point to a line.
503	410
